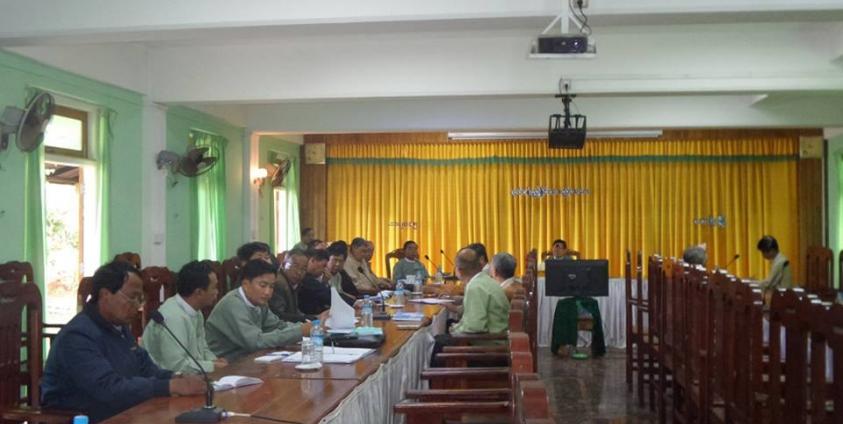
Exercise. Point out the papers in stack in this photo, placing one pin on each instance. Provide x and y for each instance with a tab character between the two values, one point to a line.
233	381
273	357
432	301
336	355
408	316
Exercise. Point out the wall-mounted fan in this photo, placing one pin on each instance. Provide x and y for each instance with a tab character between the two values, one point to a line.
27	124
197	161
277	171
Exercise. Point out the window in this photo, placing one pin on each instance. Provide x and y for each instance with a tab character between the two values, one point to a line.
69	190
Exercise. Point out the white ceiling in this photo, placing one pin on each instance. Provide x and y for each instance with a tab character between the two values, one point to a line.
385	65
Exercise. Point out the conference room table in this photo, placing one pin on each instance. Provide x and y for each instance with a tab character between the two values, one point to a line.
362	392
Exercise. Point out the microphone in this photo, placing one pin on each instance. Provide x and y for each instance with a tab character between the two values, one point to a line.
431	262
442	251
205	414
736	257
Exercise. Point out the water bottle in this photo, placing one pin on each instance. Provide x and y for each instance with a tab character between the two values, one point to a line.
317	338
366	312
306	350
439	278
80	419
399	292
420	281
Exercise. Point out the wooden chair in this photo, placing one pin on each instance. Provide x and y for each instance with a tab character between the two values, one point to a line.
231	269
643	319
632	339
16	374
16	272
530	283
816	318
395	254
819	272
834	334
130	257
482	377
84	291
159	283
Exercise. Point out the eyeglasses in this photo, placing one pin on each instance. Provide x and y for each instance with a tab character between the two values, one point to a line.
137	301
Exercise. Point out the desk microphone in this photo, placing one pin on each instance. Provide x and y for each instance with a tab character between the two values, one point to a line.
431	262
737	256
442	251
205	414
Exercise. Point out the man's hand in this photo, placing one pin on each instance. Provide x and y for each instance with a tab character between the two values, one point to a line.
220	363
384	284
323	317
305	328
187	385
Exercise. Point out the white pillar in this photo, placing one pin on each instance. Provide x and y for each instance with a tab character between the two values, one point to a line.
154	216
251	206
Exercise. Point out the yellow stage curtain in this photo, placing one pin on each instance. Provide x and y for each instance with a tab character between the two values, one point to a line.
656	196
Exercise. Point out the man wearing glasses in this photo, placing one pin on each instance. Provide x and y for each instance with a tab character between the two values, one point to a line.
95	366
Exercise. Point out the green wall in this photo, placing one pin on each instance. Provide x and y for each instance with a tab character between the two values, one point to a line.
180	121
268	144
16	74
835	198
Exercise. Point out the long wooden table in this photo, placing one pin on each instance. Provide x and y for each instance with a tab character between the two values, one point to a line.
286	393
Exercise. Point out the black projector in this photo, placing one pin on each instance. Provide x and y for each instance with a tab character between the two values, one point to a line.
563	44
566	132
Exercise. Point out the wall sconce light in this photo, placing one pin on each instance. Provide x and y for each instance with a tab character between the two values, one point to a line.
259	176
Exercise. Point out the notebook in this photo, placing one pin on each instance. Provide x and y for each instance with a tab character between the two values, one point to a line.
233	381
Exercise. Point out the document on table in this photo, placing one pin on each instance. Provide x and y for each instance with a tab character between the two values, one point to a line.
336	355
408	316
432	301
233	381
273	357
342	315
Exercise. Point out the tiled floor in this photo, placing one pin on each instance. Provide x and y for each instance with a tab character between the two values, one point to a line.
592	390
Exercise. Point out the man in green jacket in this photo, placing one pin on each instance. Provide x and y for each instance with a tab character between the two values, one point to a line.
485	306
197	289
241	323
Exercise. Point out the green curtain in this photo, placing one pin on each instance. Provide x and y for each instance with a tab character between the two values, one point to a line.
291	207
34	244
105	136
208	216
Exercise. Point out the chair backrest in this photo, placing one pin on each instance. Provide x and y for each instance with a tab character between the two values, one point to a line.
817	321
697	353
517	309
84	291
530	283
130	257
231	269
157	280
15	297
395	254
819	271
835	342
530	400
16	272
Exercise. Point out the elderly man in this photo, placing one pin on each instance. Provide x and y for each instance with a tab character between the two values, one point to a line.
503	271
695	255
336	275
241	323
357	267
95	365
410	264
284	302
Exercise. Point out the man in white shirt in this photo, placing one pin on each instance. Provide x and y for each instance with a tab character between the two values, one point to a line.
357	267
503	271
780	275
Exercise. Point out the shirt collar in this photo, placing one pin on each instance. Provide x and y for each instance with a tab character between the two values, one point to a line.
186	306
92	310
246	299
410	260
507	282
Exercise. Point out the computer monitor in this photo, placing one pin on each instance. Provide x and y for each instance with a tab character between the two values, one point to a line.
586	278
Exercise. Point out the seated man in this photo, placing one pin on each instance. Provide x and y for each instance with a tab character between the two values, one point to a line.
695	255
485	306
284	302
95	366
560	250
251	251
241	323
503	271
197	290
336	275
307	235
480	248
357	267
314	296
410	264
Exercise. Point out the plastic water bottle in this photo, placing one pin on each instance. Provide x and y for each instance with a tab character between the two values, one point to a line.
439	278
366	313
317	338
306	350
399	292
80	419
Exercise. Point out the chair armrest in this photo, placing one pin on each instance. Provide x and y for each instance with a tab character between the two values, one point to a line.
473	356
459	395
448	408
467	337
465	373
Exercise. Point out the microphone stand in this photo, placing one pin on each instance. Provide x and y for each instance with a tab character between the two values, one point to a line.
453	266
205	414
732	261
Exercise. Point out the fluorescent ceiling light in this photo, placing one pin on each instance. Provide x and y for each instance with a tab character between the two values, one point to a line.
542	135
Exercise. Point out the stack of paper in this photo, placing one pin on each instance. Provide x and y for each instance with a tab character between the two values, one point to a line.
408	316
341	315
432	301
336	355
273	357
233	381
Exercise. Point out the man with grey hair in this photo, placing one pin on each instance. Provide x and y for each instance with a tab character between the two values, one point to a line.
695	255
503	271
485	306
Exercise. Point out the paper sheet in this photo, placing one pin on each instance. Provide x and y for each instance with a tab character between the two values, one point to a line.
342	315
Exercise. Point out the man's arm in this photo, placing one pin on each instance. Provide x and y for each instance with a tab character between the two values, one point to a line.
475	315
279	305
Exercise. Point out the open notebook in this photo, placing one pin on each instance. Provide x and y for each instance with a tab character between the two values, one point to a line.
233	381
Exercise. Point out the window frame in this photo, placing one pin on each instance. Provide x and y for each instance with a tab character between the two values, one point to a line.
79	115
